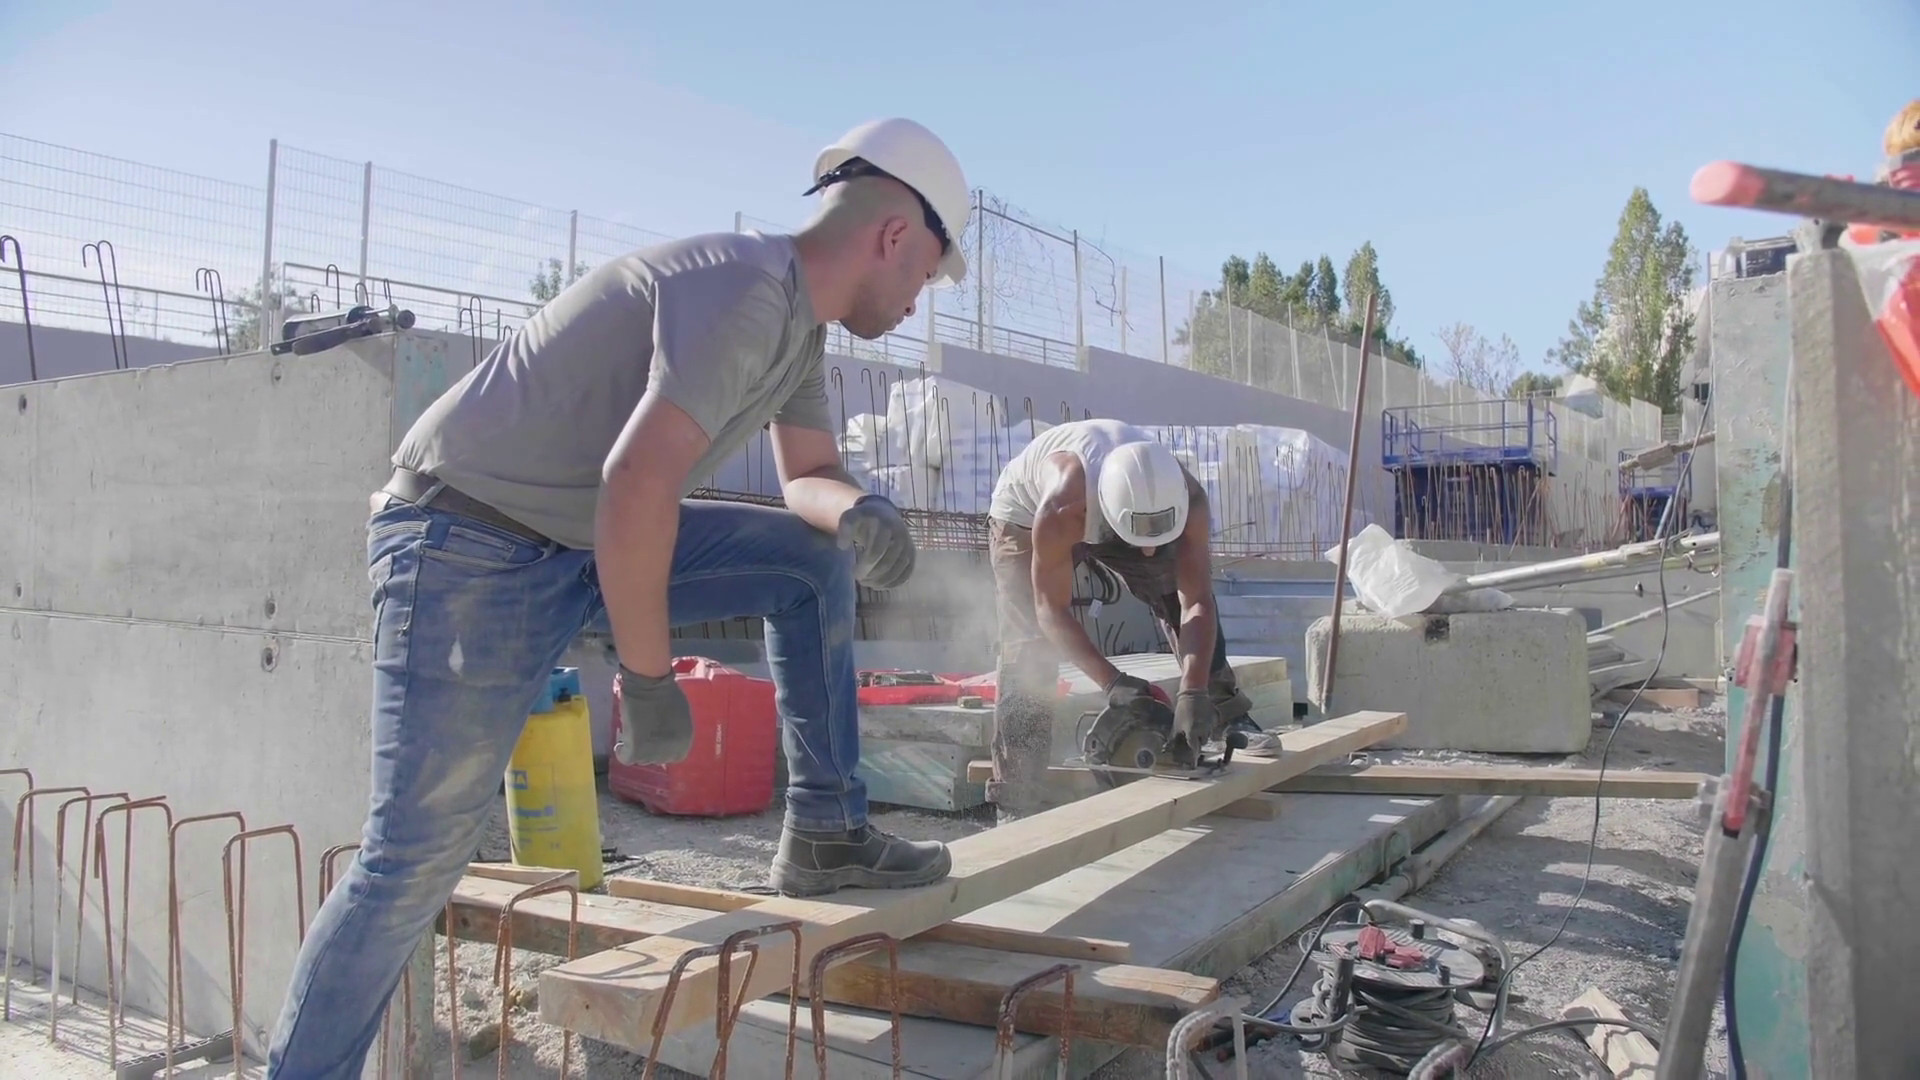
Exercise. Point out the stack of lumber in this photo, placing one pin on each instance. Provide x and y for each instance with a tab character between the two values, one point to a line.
616	994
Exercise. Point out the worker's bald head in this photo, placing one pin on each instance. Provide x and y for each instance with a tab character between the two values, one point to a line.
872	250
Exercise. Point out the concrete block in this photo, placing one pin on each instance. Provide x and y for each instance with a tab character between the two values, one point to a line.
1502	682
927	775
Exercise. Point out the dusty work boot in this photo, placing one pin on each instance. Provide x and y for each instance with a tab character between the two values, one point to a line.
815	863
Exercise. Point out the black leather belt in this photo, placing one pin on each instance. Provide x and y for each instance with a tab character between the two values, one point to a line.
424	491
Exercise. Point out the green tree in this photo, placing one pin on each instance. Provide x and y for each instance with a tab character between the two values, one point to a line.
1297	297
1265	289
1324	291
1363	277
547	284
1528	383
1634	334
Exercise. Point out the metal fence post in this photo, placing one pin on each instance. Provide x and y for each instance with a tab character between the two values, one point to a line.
1226	313
1293	350
1079	298
573	244
739	221
1166	335
366	217
1122	305
979	269
268	307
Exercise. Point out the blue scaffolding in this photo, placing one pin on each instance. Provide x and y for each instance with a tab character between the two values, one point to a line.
1471	471
1646	492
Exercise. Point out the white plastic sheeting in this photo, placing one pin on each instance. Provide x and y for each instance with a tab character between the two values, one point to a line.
941	445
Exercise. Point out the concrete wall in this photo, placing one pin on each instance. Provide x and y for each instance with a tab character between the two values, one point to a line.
183	566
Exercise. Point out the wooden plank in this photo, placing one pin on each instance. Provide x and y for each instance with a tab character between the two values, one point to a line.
1120	1002
524	875
1464	780
1494	780
1253	808
1628	1054
954	933
616	995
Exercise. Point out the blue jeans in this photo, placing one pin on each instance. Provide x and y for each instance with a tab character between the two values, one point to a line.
468	620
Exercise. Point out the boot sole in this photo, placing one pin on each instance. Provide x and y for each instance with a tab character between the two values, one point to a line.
790	880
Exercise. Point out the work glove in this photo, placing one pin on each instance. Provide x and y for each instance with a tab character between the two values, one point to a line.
883	551
656	722
1127	691
1194	718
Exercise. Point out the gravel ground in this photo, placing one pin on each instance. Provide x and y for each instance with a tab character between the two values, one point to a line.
1517	879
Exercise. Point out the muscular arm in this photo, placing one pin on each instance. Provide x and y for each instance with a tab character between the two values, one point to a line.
1193	581
808	458
714	332
1058	524
638	520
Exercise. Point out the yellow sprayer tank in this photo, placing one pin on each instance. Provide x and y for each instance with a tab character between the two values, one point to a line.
553	810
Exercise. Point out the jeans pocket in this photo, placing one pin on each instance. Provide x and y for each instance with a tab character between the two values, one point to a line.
475	546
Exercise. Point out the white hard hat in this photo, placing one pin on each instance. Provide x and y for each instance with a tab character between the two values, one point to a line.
1143	493
916	157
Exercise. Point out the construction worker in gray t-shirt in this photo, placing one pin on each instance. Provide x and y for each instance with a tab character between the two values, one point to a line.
544	495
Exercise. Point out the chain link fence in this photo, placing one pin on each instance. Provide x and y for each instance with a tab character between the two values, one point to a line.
159	257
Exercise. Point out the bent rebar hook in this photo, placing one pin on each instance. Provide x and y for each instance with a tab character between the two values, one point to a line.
26	316
207	280
103	257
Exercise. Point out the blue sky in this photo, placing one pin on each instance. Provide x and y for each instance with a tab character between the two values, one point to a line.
1485	155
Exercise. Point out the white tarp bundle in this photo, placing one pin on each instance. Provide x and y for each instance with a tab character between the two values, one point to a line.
939	448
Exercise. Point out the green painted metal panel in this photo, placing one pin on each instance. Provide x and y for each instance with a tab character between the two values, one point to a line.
1751	341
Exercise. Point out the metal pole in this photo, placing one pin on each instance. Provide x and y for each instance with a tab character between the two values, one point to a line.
268	308
1079	298
573	244
1123	309
1346	511
1226	293
1293	346
1653	612
366	218
980	269
1166	335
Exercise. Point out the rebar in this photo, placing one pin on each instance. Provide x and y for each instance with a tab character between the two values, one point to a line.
1010	1009
23	822
59	901
105	259
568	883
237	927
116	981
176	988
26	317
817	992
727	1010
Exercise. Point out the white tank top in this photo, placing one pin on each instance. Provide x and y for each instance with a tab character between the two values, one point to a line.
1022	484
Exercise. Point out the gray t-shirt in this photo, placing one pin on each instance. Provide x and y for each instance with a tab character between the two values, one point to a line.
721	325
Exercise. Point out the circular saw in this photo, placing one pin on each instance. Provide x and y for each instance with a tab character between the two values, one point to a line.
1124	743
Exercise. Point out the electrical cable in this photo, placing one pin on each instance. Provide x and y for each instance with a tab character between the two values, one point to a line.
1483	1046
1776	724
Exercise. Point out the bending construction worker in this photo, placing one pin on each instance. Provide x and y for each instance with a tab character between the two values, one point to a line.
541	497
1106	492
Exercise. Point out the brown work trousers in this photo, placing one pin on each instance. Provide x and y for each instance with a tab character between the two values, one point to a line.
1029	663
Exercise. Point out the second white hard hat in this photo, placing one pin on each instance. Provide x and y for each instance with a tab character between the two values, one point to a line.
916	157
1143	493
